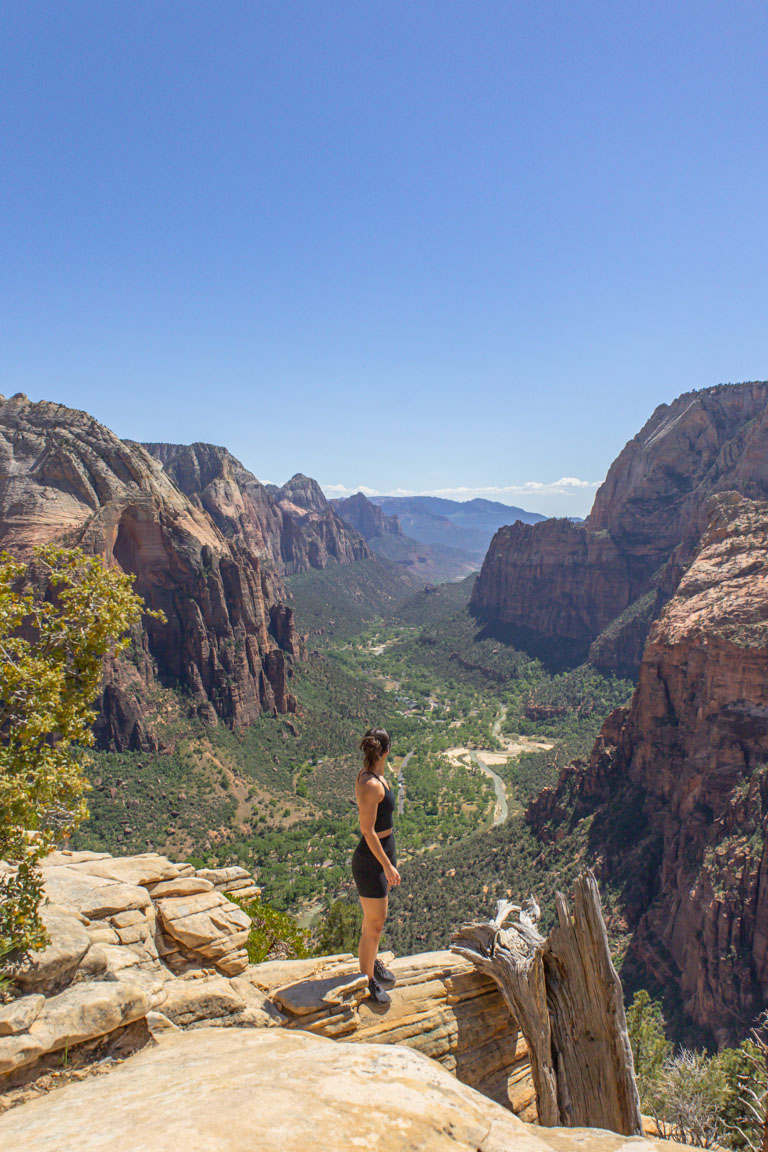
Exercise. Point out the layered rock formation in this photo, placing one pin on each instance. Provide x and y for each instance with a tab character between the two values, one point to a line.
65	478
144	943
677	785
309	515
563	586
441	1006
293	527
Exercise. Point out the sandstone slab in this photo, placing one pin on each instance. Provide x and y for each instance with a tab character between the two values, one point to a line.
221	877
67	857
57	962
273	974
440	1006
310	996
148	868
181	886
209	925
82	1012
190	1000
20	1014
95	897
234	1090
158	1022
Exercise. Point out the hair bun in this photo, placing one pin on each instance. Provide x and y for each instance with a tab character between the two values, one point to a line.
374	744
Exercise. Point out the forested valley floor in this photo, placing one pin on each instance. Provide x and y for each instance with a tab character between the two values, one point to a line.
279	797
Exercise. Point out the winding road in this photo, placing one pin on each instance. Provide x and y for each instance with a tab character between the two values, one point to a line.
401	784
501	809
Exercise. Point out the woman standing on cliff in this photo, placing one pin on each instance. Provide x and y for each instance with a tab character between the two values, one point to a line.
374	860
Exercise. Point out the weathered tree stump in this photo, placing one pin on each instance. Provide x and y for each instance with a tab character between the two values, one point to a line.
566	996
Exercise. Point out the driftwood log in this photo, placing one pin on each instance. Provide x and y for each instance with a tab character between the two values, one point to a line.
566	996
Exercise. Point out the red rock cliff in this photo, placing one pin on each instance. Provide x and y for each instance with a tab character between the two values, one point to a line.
677	785
560	584
295	528
66	478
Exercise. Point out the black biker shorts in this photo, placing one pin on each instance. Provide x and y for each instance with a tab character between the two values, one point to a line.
368	872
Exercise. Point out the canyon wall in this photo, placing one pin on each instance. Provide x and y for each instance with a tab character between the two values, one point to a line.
579	588
676	789
65	478
294	527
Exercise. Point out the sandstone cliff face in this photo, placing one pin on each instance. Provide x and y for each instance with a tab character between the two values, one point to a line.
553	582
239	505
66	478
294	528
315	533
678	786
558	581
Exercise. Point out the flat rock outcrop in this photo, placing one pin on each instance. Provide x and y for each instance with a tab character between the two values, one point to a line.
558	586
229	635
237	1089
441	1006
294	527
677	787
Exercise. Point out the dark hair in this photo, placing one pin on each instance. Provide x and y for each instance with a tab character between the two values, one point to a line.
374	744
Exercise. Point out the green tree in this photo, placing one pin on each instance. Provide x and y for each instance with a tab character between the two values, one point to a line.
339	930
274	935
61	614
650	1047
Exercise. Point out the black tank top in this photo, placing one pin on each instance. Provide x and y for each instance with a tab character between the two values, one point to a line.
386	808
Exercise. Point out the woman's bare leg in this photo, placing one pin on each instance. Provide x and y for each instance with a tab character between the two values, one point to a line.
374	915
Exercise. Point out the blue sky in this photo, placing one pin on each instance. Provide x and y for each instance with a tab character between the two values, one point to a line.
431	247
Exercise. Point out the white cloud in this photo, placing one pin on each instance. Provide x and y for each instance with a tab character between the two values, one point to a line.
505	494
334	491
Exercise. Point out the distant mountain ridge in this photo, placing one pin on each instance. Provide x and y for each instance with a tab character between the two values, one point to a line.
465	524
427	563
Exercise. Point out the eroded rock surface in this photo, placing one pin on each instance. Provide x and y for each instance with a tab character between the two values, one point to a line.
677	786
440	1007
120	947
294	527
143	939
235	1090
65	478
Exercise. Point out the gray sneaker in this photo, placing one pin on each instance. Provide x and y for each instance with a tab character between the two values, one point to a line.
382	974
377	993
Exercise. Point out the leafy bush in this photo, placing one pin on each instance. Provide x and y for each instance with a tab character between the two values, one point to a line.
693	1097
274	935
687	1098
339	930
